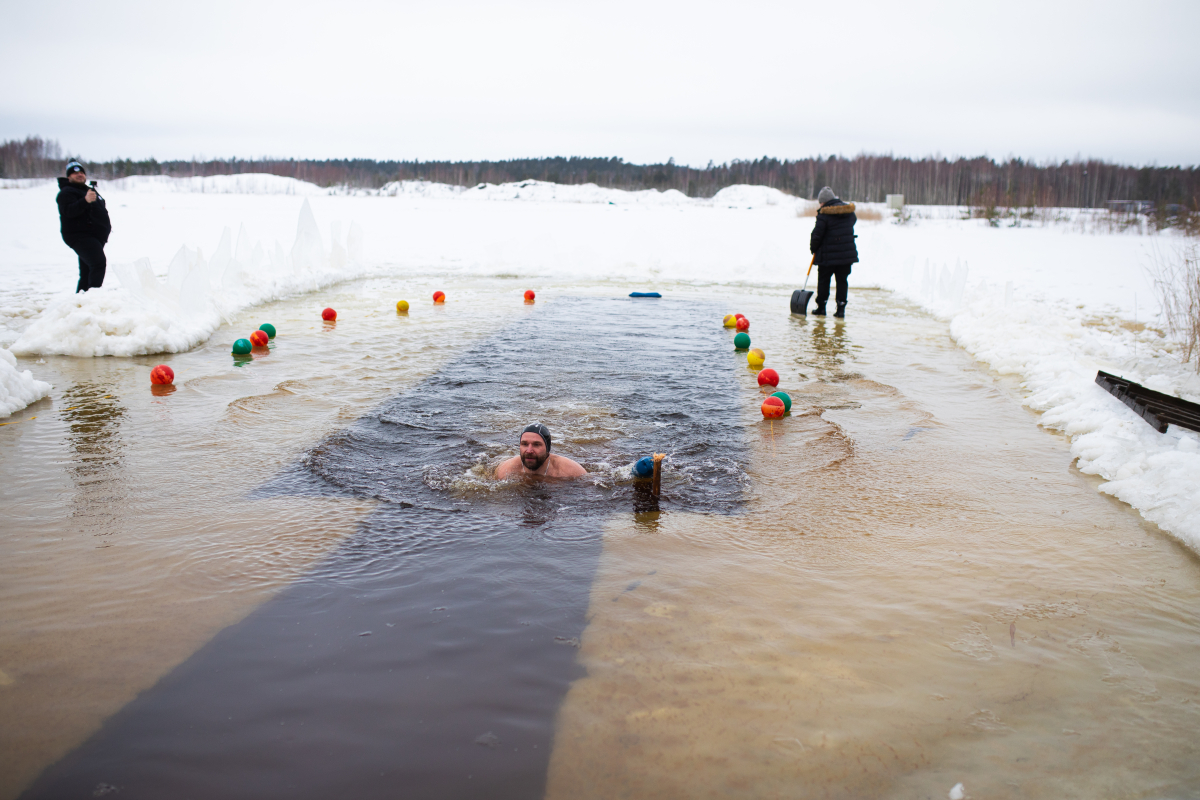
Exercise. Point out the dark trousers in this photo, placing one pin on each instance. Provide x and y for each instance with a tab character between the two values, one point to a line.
843	284
92	263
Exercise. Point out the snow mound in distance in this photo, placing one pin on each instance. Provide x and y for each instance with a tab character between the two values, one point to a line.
537	192
146	315
746	196
426	190
738	196
18	388
247	183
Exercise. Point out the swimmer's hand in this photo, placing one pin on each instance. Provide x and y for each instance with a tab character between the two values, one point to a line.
555	466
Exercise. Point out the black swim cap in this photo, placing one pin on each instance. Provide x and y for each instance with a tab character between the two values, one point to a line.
541	430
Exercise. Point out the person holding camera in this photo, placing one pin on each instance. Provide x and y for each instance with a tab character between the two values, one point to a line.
85	225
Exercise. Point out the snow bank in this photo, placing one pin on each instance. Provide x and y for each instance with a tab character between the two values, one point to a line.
247	183
17	387
1055	347
146	315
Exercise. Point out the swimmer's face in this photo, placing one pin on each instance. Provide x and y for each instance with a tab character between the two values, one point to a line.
533	451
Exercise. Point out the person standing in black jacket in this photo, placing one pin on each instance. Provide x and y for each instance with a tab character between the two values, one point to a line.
85	225
832	246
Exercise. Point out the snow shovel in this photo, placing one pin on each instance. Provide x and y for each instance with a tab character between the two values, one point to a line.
800	297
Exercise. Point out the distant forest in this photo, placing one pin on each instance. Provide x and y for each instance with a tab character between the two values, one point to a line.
925	181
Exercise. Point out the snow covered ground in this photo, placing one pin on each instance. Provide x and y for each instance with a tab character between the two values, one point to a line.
1049	303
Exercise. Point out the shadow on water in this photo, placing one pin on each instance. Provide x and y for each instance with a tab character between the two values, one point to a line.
428	655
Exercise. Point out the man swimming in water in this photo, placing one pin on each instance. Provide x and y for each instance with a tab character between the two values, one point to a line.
536	458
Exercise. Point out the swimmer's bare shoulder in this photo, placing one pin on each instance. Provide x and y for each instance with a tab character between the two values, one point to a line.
563	467
556	467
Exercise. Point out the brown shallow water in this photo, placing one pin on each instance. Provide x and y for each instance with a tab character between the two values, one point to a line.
919	589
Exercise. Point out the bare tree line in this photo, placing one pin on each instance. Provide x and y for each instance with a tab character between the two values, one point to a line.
926	181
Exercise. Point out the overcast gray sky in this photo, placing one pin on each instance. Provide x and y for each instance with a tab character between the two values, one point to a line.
642	80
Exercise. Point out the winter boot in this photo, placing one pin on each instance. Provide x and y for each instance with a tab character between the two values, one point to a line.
841	312
819	311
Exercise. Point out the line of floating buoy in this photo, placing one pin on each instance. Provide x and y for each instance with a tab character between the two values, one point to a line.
779	403
163	375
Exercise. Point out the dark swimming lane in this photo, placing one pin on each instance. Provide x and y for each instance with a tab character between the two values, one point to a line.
427	656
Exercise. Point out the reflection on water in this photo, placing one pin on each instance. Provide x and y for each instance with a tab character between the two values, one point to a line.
829	342
94	419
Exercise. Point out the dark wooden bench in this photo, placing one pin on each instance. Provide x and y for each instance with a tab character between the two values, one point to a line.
1158	409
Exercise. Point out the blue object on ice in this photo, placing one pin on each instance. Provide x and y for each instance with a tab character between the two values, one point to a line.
644	468
644	294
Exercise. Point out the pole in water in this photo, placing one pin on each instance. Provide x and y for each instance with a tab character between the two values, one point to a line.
654	487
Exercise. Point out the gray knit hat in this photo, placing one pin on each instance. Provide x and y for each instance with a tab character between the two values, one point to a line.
826	195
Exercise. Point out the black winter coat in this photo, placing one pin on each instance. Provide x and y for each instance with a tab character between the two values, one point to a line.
78	215
832	240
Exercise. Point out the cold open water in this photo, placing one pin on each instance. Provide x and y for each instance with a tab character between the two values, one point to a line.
294	577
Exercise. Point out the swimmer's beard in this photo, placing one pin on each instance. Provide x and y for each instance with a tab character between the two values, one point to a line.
533	463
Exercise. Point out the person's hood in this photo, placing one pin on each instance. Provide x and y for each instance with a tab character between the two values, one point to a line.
836	207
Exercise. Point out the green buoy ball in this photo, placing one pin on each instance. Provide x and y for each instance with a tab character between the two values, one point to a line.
241	347
742	341
268	329
787	401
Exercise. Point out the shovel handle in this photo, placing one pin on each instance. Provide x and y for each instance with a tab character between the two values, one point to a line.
810	263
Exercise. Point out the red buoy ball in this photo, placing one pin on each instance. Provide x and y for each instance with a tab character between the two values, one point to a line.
530	296
739	316
768	377
439	297
162	374
743	324
259	338
329	315
773	408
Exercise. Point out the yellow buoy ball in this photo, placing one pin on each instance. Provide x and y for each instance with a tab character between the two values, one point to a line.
730	321
756	357
402	307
